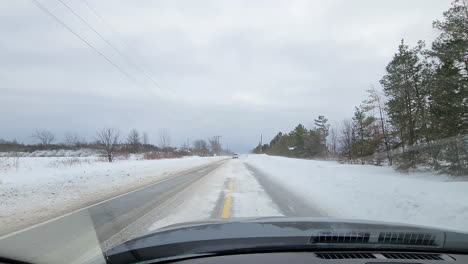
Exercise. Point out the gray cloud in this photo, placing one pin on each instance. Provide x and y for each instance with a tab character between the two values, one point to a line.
233	68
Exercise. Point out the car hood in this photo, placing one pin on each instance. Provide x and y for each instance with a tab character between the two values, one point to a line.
208	237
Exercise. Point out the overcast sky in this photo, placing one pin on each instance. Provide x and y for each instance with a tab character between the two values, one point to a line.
231	68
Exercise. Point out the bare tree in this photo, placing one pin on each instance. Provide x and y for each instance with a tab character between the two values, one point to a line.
347	139
333	142
200	147
45	137
71	139
133	140
109	138
145	138
164	139
215	146
186	145
376	102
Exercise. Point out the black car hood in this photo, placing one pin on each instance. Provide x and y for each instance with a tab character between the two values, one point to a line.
214	236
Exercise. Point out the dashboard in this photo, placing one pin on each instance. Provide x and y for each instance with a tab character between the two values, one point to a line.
364	257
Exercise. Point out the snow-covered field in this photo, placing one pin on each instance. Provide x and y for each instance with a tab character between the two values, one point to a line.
53	153
370	192
38	188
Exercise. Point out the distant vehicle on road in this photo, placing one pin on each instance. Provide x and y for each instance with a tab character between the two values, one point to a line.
235	156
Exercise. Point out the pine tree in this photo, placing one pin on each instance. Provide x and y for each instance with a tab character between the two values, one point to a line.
314	147
365	143
403	85
449	93
298	136
322	131
449	85
452	44
279	145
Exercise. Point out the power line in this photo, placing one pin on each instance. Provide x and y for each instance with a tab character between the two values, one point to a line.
109	43
99	16
86	23
136	65
45	10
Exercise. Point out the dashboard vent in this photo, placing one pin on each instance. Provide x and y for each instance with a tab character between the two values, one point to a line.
349	237
345	255
417	239
412	256
385	255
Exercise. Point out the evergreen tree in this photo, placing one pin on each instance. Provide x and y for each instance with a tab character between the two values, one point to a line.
279	145
451	46
314	146
365	142
449	87
403	85
449	93
298	136
322	131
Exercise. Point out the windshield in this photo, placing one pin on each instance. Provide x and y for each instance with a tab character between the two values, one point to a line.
120	118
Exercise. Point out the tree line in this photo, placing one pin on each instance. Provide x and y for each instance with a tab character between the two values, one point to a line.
111	142
418	118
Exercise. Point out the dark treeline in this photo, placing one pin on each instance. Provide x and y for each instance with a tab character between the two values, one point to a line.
46	140
301	142
419	119
111	143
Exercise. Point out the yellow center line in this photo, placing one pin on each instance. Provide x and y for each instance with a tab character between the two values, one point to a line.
227	203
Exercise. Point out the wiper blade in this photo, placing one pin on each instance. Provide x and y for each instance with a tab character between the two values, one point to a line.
176	258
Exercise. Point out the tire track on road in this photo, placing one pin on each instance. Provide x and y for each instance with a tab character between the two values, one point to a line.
288	203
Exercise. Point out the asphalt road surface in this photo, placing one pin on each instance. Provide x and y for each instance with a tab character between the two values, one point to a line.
112	217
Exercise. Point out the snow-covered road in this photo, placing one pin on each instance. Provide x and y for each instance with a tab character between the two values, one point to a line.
224	190
207	198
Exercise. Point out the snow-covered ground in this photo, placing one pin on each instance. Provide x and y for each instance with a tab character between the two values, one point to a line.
38	188
370	192
54	153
